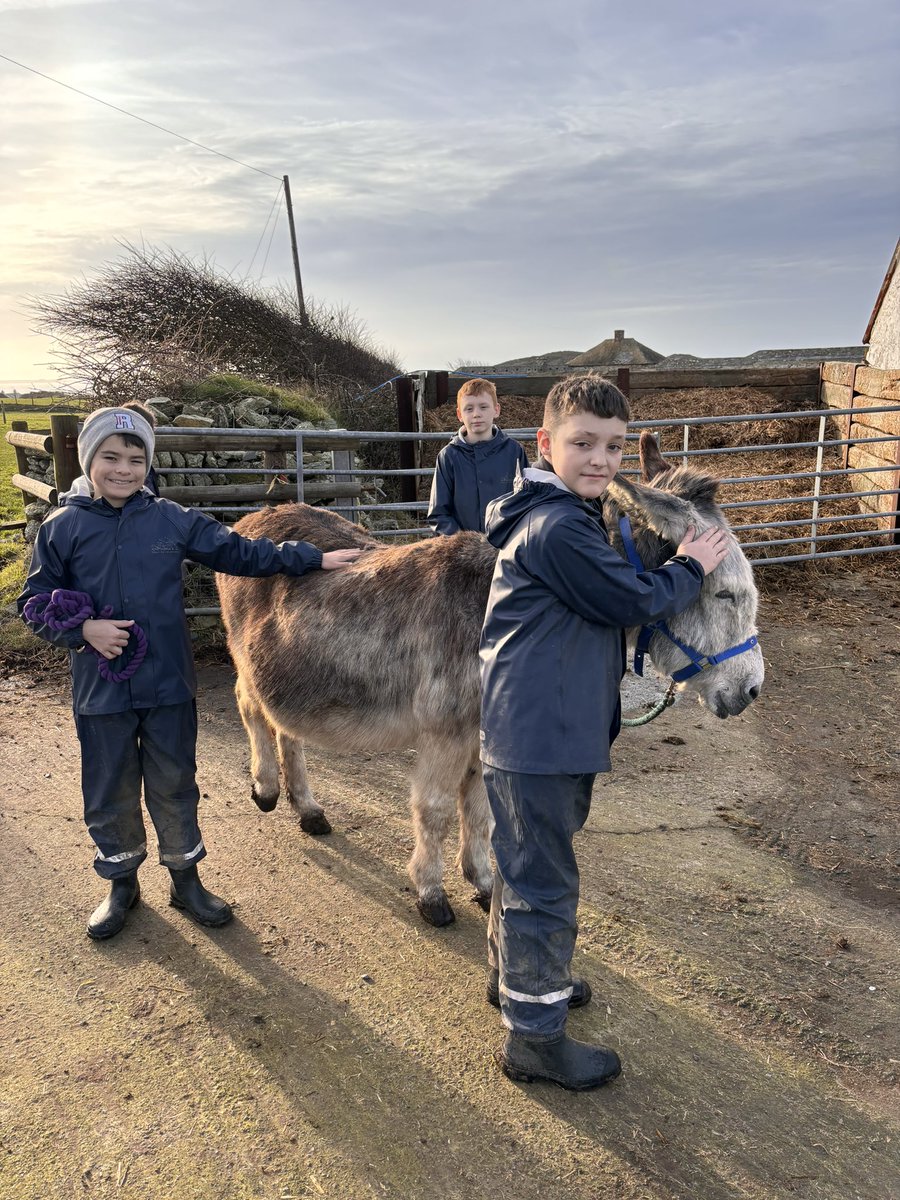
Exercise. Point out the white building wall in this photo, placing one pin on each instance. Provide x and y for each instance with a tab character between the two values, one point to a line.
884	343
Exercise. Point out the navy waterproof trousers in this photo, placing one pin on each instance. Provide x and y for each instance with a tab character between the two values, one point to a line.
532	926
121	753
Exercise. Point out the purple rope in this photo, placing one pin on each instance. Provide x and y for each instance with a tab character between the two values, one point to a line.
62	609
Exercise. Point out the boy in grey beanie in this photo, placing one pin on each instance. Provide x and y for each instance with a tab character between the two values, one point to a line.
117	544
103	423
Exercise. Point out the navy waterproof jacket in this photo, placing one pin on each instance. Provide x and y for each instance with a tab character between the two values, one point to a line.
553	645
131	558
468	476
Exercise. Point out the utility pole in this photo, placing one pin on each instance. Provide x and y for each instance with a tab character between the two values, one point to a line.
290	215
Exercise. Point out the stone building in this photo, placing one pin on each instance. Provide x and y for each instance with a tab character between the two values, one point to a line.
883	331
617	351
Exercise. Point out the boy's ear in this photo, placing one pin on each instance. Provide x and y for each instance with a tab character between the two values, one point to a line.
667	515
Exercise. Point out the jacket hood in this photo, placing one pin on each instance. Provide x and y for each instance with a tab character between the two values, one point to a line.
497	439
81	495
534	487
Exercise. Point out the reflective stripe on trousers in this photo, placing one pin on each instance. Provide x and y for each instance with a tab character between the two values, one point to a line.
532	927
149	749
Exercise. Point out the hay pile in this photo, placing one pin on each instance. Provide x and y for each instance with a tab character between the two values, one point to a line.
525	412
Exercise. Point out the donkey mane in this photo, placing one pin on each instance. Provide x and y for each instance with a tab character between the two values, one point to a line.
692	485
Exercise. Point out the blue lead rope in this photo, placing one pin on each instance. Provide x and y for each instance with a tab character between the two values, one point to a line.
698	662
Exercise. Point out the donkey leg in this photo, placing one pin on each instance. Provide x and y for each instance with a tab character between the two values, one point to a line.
293	763
474	859
433	799
263	763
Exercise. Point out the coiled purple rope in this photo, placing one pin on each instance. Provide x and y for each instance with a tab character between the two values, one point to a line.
63	609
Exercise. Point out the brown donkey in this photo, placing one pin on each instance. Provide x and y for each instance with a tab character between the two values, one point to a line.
383	655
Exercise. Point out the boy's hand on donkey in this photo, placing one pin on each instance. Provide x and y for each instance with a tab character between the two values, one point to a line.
708	548
108	638
339	558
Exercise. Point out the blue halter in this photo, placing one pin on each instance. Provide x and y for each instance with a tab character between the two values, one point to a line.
699	662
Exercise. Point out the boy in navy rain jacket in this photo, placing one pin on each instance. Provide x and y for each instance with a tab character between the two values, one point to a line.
114	540
552	660
479	465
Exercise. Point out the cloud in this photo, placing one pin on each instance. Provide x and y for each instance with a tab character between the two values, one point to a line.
33	6
657	160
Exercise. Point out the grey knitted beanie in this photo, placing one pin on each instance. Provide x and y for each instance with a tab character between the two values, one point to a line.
103	423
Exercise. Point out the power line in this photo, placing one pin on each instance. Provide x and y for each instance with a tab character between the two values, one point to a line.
135	117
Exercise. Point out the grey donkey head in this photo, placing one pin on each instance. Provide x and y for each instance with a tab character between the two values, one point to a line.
661	510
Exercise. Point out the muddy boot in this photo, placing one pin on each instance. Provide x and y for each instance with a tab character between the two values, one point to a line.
108	918
189	894
559	1059
581	990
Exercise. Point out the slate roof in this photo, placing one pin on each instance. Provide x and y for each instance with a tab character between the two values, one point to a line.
617	351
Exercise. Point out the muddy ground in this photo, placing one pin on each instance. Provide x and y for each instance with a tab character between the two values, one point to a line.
739	925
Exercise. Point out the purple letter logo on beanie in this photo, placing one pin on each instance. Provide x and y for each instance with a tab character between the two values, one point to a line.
124	421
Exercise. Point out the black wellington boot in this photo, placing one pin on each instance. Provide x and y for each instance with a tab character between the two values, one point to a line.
189	894
108	918
581	990
573	1065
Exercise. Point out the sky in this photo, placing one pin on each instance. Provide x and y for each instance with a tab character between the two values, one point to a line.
476	181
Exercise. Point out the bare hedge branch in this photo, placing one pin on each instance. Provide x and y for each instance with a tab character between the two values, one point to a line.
155	319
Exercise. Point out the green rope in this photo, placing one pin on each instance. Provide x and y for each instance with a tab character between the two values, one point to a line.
660	707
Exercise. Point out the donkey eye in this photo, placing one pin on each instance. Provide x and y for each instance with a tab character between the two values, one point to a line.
725	595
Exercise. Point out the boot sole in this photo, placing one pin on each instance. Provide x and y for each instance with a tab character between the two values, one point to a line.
518	1076
205	921
103	937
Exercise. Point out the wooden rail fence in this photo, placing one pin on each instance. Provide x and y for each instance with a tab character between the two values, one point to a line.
60	445
789	386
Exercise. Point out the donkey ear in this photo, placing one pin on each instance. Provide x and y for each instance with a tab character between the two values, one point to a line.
652	462
666	514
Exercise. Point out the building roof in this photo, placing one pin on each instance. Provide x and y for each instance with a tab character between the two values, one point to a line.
886	283
617	351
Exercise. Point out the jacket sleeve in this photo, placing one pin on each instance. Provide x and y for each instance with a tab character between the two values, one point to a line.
441	509
48	572
594	581
521	457
211	543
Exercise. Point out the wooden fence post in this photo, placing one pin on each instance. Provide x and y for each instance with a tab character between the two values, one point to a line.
21	457
849	417
406	423
64	431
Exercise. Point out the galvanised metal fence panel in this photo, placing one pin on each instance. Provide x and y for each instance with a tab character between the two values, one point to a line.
798	537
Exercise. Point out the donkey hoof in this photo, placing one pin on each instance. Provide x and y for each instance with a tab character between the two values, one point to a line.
483	900
436	912
315	823
266	803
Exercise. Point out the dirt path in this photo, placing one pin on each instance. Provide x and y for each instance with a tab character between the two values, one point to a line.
739	926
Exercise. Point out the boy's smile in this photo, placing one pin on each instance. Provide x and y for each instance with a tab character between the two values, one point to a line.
117	470
585	451
478	412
